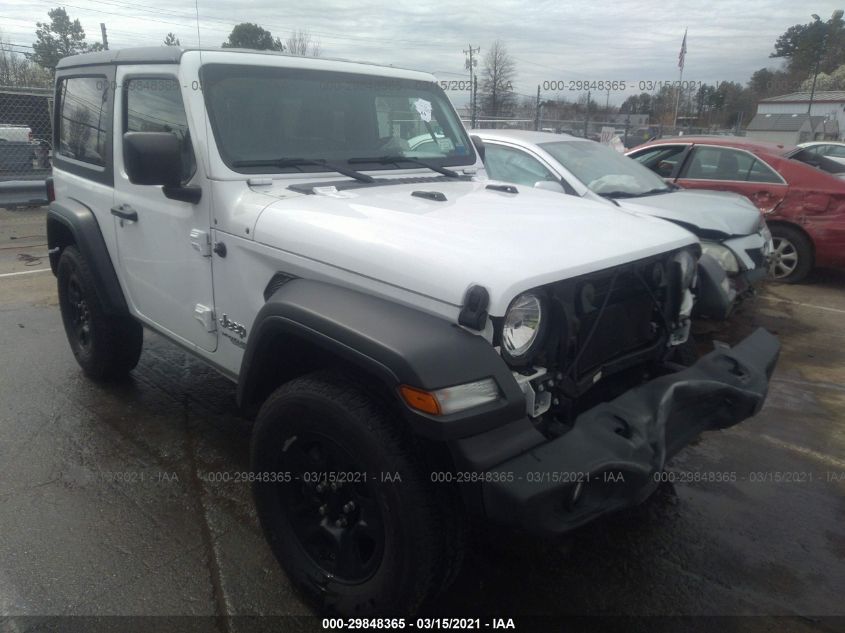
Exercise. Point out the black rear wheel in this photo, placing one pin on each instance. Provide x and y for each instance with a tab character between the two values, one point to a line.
105	346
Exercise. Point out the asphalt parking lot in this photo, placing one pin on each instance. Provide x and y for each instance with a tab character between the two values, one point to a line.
107	507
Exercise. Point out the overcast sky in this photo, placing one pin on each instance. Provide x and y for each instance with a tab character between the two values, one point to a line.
630	41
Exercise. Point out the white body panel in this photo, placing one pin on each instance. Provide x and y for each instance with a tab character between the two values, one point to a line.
377	239
505	242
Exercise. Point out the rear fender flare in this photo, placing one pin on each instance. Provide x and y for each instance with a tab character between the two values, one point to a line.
74	223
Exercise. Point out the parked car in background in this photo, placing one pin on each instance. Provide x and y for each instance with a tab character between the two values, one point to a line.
803	206
17	151
731	230
834	150
10	133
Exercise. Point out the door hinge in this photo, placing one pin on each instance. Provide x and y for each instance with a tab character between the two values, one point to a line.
201	242
205	315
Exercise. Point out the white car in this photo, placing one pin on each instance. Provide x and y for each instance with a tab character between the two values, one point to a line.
731	229
834	150
422	345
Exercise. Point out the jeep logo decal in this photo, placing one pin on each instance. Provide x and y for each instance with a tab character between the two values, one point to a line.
233	326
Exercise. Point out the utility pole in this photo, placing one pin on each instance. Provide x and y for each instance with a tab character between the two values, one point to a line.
681	59
105	37
587	116
470	64
474	119
537	113
819	51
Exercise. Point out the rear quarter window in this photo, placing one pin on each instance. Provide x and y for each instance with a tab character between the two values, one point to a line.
83	119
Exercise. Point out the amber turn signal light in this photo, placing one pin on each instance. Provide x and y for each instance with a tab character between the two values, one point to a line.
420	400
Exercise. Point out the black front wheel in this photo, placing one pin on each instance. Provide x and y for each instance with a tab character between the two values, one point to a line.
105	346
344	499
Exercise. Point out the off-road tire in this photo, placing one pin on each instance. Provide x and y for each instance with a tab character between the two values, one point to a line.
341	412
106	347
797	242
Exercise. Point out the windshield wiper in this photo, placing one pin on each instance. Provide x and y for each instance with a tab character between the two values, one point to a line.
404	159
628	194
618	194
296	162
654	191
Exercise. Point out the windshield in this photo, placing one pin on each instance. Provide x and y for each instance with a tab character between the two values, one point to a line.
604	170
263	115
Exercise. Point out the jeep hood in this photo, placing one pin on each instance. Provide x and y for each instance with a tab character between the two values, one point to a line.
723	212
505	242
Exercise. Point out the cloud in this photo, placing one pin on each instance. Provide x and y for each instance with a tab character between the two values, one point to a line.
550	40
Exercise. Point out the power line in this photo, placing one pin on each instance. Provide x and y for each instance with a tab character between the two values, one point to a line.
229	25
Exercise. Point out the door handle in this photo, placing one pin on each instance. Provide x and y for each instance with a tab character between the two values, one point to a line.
125	212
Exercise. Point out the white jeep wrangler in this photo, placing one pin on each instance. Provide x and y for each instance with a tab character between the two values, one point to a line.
425	348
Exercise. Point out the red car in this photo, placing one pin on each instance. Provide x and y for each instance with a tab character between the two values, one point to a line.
804	205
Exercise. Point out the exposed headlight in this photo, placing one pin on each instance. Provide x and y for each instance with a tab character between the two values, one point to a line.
687	263
522	326
721	254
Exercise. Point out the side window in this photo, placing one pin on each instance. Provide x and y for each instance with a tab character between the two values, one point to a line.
715	163
83	120
513	165
761	172
719	163
155	105
834	151
661	160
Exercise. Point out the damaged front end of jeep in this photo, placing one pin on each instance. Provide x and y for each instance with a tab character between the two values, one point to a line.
606	401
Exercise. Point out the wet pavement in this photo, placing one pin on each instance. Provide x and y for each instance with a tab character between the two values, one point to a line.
109	504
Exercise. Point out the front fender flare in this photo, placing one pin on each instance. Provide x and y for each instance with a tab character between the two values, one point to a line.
394	343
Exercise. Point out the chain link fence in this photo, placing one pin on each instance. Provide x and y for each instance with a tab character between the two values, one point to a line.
26	133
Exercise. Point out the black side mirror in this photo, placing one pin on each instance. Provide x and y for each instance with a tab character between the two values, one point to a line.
479	146
155	158
152	158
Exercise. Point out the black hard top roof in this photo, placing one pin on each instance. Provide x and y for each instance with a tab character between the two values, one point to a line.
143	55
166	55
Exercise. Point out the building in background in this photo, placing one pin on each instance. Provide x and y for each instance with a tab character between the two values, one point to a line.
791	129
784	119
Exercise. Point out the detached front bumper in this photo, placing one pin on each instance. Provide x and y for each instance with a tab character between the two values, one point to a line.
609	459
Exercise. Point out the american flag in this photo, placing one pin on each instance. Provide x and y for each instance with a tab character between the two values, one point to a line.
683	52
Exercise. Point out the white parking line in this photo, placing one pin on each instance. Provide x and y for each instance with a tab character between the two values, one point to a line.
827	460
26	272
805	305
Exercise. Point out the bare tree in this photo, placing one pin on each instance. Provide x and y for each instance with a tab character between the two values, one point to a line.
300	43
497	75
17	70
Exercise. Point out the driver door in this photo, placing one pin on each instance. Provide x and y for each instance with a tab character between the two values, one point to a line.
163	246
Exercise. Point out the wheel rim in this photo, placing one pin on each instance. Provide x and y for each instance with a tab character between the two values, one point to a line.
338	522
784	258
78	313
